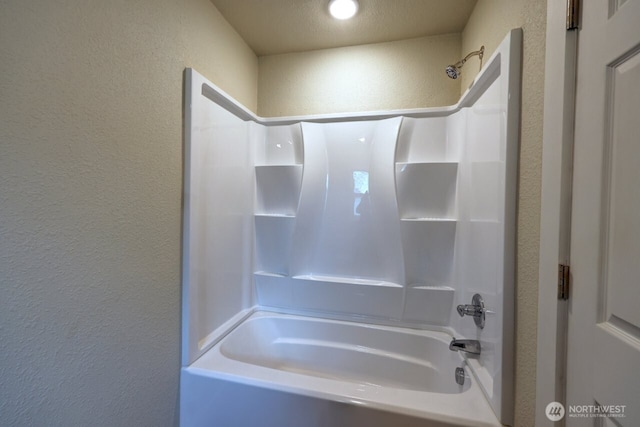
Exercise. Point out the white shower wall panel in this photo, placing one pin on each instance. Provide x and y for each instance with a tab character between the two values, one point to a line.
279	145
423	140
402	203
388	206
389	218
218	207
428	247
355	230
273	243
427	189
278	189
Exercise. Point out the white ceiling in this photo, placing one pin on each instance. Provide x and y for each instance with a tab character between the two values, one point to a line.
282	26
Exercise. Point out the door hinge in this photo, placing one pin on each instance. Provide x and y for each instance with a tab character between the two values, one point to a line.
573	14
564	279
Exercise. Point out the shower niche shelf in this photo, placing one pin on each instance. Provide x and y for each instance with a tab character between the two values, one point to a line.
424	141
278	189
280	145
428	248
430	219
426	190
342	296
426	195
278	175
274	234
277	194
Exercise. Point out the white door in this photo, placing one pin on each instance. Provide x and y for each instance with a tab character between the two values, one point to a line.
603	354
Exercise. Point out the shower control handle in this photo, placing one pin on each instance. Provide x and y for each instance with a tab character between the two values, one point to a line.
469	310
475	309
459	375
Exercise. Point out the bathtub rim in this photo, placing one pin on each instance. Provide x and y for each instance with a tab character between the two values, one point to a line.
471	402
225	329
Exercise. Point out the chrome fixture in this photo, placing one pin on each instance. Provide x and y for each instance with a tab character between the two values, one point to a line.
468	346
460	376
475	309
453	71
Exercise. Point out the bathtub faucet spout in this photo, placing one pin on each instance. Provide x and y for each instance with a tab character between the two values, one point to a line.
468	346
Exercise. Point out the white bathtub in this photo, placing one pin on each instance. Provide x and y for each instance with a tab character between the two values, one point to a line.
284	370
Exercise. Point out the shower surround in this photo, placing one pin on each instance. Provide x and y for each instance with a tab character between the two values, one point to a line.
383	221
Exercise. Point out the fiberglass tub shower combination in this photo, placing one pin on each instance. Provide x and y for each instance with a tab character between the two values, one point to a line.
329	261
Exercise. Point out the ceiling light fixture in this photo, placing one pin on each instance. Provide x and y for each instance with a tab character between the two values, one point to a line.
343	9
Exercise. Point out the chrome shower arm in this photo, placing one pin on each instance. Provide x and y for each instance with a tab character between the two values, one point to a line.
480	54
453	71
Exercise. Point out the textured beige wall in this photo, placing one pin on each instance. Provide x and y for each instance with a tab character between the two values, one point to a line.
490	21
214	49
381	76
90	202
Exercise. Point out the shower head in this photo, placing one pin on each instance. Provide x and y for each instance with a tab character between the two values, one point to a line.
453	71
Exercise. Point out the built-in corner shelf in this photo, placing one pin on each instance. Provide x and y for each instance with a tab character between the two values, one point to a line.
281	145
277	166
269	274
439	299
425	164
426	189
277	194
430	287
278	189
424	140
426	195
274	234
346	280
428	247
274	215
331	295
484	221
335	295
430	220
